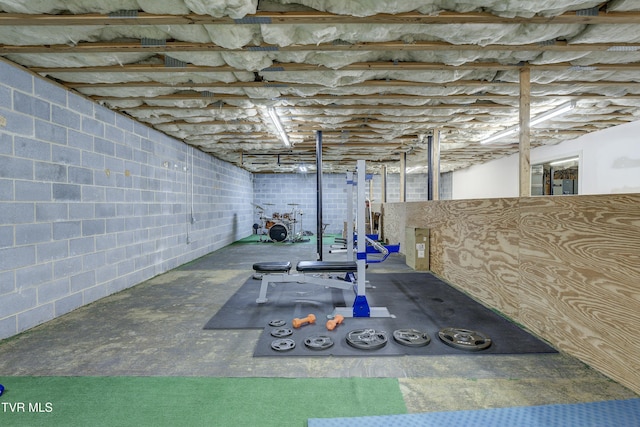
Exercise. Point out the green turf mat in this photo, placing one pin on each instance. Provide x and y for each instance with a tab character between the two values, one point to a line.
192	401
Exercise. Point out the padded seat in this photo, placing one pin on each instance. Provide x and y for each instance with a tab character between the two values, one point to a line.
326	266
272	267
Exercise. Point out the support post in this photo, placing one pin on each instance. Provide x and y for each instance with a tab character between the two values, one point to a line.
434	166
319	231
349	236
360	305
525	134
403	177
383	185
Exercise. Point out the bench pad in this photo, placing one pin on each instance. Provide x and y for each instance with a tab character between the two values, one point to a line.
327	266
274	266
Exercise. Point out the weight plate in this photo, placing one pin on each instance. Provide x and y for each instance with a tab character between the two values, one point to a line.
283	344
411	337
281	332
464	339
367	339
318	342
277	323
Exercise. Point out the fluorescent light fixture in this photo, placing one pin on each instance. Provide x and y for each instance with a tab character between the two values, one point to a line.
560	162
276	122
535	121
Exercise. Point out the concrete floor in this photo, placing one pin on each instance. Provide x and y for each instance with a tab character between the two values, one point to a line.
155	329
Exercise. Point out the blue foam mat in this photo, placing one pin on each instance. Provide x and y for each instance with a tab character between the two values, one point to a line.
610	413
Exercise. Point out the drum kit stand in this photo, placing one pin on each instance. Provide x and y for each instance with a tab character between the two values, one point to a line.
280	227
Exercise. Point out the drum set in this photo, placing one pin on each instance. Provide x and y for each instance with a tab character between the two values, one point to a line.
280	227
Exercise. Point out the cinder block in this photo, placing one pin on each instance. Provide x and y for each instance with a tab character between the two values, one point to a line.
50	251
69	192
66	155
8	326
53	291
16	168
65	117
103	146
67	267
27	104
79	175
50	132
80	104
67	230
6	189
81	211
92	126
7	282
30	148
95	293
79	140
51	172
35	316
16	257
33	275
12	77
81	246
67	304
93	260
21	300
17	213
91	227
32	233
32	191
82	281
52	93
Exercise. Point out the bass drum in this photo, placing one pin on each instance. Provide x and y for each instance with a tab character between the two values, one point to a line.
278	233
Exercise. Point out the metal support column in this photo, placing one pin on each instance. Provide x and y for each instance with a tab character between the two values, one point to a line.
319	231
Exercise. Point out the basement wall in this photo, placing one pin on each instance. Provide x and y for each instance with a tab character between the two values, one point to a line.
276	193
609	164
92	202
565	267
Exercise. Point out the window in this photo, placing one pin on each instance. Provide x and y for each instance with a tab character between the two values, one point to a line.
555	177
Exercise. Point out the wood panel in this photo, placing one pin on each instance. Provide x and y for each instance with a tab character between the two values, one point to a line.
580	278
568	268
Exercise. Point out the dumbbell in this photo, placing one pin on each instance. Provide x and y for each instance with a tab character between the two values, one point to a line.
299	322
331	324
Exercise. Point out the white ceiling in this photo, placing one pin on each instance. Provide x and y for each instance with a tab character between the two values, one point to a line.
376	77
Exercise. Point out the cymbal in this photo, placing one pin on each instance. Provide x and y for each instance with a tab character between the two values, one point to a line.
293	204
268	204
258	206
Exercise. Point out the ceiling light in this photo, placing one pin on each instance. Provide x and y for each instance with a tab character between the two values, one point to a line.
276	122
535	121
623	49
559	162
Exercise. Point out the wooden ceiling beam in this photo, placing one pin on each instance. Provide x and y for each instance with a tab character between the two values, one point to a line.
311	17
357	66
418	45
367	83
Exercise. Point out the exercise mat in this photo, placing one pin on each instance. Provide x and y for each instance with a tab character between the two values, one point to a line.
418	301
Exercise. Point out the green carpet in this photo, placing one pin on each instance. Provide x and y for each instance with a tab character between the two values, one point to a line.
192	401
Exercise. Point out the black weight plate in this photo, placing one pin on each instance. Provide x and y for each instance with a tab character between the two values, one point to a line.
464	339
367	339
277	323
283	344
318	342
411	337
281	332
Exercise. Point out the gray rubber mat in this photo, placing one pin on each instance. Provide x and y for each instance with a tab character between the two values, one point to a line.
417	301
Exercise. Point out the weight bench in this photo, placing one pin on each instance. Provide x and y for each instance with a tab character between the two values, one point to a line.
307	272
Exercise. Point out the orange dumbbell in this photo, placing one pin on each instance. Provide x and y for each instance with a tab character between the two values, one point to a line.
299	322
331	324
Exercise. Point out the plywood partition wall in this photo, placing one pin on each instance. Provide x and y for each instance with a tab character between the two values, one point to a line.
566	267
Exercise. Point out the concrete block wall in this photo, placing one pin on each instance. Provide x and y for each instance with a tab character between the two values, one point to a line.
274	192
92	202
